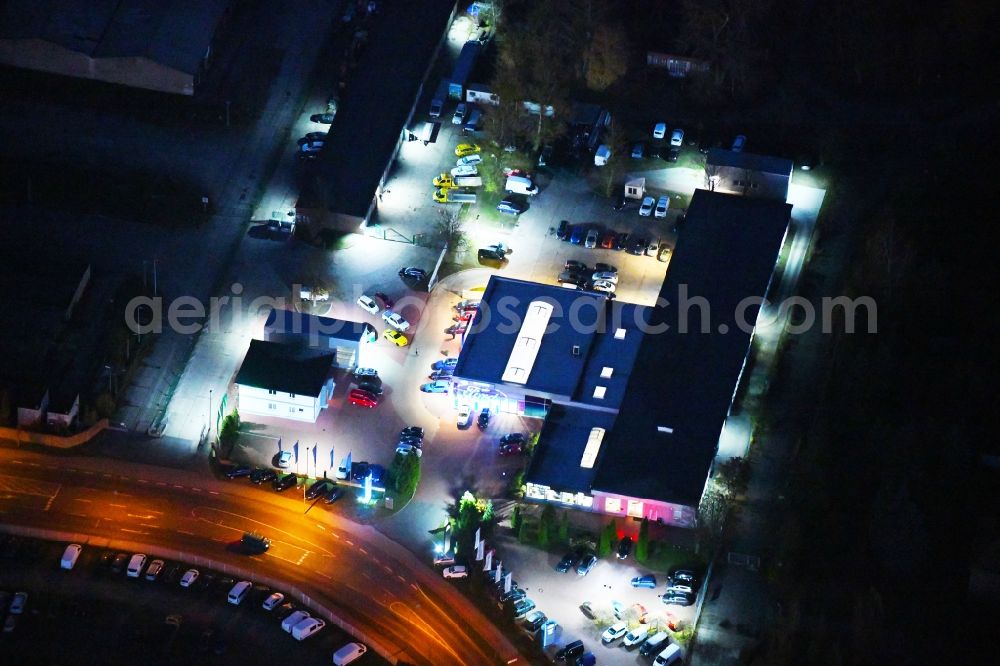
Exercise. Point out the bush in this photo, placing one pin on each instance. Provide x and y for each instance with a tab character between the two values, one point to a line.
405	474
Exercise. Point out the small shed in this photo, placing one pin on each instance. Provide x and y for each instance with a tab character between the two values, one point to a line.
635	188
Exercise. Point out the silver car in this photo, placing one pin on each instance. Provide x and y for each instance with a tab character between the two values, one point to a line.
646	209
605	276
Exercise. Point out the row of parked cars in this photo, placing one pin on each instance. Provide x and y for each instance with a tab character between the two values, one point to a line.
325	488
600	277
594	236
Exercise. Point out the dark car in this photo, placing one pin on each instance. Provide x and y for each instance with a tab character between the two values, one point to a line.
586	564
285	482
412	431
587	659
321	487
624	547
608	240
511	207
566	563
386	301
171	573
323	118
562	230
118	564
578	234
491	258
672	154
484	419
513	449
514	438
377	473
511	597
621	203
375	388
359	470
259	476
621	241
444	363
255	543
648	580
573	277
570	651
334	495
238	471
637	246
604	268
413	273
411	440
312	136
677	599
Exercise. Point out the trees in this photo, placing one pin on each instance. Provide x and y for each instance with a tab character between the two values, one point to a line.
229	429
606	58
608	536
449	227
564	527
642	543
405	473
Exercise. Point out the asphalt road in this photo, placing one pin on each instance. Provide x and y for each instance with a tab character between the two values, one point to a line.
344	567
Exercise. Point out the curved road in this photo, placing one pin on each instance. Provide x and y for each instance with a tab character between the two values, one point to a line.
362	576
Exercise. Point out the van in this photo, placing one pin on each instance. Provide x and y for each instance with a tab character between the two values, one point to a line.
136	565
349	653
472	124
521	185
239	592
70	556
293	619
307	628
653	643
602	155
668	656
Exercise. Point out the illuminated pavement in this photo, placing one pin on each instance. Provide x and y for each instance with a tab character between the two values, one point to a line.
356	572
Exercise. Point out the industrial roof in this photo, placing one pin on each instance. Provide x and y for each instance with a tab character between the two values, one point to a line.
173	33
685	381
556	458
749	161
557	368
286	323
375	108
285	368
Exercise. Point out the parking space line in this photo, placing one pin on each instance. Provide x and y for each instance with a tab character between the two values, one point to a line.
143	481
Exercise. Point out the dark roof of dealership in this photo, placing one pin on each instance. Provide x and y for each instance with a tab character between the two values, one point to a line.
288	325
749	161
372	113
285	368
556	458
680	392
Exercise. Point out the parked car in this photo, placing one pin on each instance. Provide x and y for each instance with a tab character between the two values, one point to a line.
621	242
523	607
578	233
283	459
335	494
368	304
510	449
587	563
437	386
362	398
312	136
587	609
386	301
608	240
591	241
659	130
466	149
605	268
663	254
444	363
408	449
533	621
661	206
677	137
189	577
412	431
460	112
395	337
456	571
614	632
273	601
18	603
646	209
638	246
463	417
624	547
636	636
484	419
605	276
514	438
738	143
465	170
682	576
562	231
323	118
119	562
285	482
365	373
511	207
566	563
413	273
648	580
238	471
638	151
395	320
677	599
154	570
672	155
375	388
603	286
259	476
469	160
321	487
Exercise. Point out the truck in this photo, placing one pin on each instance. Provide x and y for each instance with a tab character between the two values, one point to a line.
521	185
446	180
463	68
445	195
437	102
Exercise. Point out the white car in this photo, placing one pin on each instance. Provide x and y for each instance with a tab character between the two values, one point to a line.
189	577
368	304
407	449
455	572
738	143
677	138
464	417
460	111
662	205
395	320
469	160
636	636
273	601
646	209
444	559
464	170
603	286
605	276
659	130
614	632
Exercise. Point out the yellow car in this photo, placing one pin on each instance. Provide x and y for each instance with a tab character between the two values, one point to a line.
395	337
466	149
441	195
444	180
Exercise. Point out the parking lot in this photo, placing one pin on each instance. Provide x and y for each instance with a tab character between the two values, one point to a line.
91	615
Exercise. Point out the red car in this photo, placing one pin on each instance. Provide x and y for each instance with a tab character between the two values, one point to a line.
608	240
386	301
362	398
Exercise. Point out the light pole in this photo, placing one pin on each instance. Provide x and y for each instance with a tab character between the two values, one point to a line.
209	415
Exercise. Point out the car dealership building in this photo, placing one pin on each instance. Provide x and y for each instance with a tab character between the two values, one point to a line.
633	398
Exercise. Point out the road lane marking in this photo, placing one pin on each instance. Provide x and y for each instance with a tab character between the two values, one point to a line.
362	550
197	490
320	573
143	481
125	529
81	499
120	506
155	527
48	505
186	532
